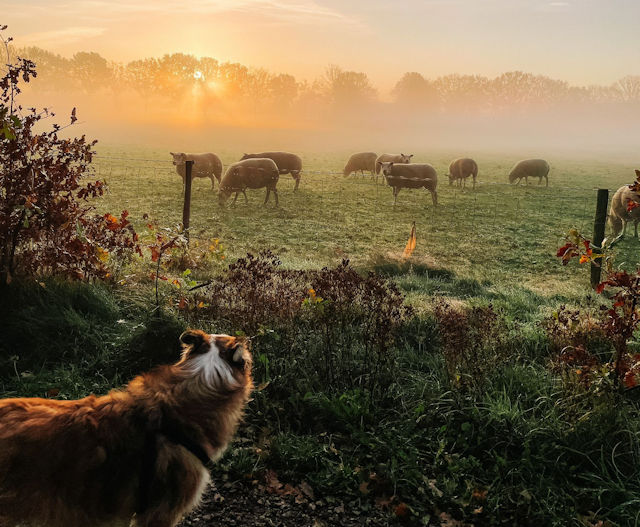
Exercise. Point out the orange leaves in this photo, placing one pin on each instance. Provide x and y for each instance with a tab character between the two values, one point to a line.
411	243
302	493
631	204
578	246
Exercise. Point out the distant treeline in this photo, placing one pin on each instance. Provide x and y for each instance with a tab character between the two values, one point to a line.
179	75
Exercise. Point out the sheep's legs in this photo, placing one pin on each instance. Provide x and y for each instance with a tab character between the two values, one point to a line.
213	182
275	193
474	182
396	191
434	198
246	201
235	198
296	176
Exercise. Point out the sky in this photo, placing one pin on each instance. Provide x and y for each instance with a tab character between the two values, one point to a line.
580	41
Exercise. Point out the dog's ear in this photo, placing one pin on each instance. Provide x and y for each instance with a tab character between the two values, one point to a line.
235	350
194	341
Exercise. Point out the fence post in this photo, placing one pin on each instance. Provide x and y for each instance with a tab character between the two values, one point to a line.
598	232
186	210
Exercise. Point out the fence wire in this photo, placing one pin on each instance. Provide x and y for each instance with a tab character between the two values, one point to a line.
333	216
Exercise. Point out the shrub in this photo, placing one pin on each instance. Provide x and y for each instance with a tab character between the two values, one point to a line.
45	221
473	342
334	330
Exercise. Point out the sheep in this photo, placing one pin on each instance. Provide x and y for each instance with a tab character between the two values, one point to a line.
392	158
460	169
286	162
619	215
249	173
402	175
361	161
530	168
205	165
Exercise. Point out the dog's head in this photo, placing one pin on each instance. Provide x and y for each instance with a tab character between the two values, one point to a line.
222	361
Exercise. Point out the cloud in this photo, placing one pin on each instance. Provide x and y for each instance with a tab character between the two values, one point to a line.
67	35
299	10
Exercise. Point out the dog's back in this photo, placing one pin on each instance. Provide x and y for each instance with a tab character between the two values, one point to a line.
143	450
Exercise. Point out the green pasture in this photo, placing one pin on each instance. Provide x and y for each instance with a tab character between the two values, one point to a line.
497	238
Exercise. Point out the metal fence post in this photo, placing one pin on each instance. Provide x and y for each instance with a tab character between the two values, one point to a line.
186	210
598	232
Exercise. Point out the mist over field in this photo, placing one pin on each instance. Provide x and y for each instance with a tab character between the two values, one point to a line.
184	102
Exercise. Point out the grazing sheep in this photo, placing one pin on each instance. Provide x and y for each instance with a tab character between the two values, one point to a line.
249	173
619	215
286	162
361	161
392	158
461	169
205	165
401	176
530	168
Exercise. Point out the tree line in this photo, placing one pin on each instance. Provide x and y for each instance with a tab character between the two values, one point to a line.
178	77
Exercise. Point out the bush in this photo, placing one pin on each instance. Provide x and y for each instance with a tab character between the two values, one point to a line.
474	342
46	225
331	330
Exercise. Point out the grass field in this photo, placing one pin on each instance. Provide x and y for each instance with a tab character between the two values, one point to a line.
487	432
496	238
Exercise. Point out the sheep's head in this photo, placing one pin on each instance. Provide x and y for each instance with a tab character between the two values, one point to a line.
386	168
179	159
223	195
406	158
451	179
512	177
245	156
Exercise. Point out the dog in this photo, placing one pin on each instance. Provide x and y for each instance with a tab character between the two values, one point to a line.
136	456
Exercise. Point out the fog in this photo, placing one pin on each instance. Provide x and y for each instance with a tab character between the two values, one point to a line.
181	102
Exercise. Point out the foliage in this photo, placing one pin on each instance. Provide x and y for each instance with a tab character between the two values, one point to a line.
616	324
473	342
45	221
336	325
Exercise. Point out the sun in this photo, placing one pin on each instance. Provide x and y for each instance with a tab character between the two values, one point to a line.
197	74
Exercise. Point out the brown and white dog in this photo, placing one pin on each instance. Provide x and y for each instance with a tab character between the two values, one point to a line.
140	453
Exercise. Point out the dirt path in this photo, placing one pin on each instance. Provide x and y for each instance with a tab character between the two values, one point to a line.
247	505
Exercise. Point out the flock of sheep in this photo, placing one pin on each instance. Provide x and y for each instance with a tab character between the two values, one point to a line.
262	170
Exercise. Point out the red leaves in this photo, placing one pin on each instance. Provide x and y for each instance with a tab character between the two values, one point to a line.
631	204
44	217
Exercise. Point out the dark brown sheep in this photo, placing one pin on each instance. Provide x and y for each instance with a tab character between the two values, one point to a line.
530	168
361	161
401	176
249	173
286	162
204	165
460	169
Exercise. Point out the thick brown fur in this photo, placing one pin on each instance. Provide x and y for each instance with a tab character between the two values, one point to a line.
101	461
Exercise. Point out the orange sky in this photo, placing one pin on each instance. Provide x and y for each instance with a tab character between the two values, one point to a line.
581	41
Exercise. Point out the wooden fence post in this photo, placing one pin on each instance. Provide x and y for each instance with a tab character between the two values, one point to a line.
186	210
599	224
